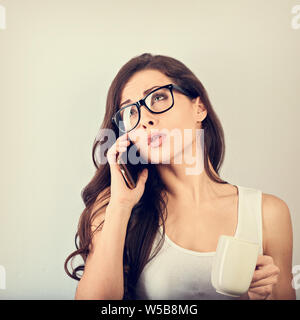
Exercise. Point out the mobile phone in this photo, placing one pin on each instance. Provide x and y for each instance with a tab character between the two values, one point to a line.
129	170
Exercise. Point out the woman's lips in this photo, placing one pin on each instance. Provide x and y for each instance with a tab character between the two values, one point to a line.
157	140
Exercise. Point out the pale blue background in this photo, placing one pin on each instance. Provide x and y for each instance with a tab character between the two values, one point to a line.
57	60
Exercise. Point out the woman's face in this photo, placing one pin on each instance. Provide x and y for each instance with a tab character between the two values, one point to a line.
178	123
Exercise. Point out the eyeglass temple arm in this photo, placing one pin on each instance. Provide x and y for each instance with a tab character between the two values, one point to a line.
179	89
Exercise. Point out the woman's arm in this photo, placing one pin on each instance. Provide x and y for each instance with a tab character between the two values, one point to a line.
273	277
278	233
103	274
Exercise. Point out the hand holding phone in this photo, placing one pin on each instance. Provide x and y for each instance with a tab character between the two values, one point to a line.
127	180
129	171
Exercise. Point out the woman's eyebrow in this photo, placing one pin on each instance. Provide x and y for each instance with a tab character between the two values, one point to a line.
145	92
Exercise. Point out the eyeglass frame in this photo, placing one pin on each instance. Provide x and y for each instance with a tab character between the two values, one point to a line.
142	102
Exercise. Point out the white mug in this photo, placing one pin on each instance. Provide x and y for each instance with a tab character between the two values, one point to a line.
233	265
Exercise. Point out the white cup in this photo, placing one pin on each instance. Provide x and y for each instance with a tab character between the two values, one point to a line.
233	265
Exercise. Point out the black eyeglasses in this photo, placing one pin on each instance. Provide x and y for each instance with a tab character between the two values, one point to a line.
157	101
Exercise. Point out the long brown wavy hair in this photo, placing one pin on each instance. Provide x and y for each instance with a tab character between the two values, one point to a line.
146	214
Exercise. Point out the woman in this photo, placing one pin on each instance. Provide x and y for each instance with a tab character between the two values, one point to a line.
122	230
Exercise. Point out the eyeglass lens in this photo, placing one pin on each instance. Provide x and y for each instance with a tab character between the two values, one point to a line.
157	101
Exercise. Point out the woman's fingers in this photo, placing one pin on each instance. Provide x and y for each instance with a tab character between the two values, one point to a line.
264	282
111	154
123	144
119	146
264	272
262	291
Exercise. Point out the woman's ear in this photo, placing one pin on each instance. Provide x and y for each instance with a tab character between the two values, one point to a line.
200	111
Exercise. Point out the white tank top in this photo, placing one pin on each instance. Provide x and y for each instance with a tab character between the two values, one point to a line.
176	273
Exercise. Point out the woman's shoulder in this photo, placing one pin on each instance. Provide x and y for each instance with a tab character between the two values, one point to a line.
276	220
274	208
270	202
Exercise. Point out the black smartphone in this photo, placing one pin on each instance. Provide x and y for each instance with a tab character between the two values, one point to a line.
129	170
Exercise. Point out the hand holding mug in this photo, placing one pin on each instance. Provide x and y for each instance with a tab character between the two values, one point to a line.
264	278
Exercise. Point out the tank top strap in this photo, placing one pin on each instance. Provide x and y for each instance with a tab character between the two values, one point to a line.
250	224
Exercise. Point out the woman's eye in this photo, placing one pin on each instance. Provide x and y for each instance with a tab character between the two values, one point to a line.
158	97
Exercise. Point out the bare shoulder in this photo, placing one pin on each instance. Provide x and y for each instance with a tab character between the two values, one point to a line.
273	204
276	219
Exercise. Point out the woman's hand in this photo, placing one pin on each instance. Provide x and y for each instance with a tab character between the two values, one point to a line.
264	278
121	195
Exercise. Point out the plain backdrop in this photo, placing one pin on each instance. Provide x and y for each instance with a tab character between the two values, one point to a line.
57	61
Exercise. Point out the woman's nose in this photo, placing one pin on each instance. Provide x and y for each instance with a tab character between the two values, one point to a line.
147	118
